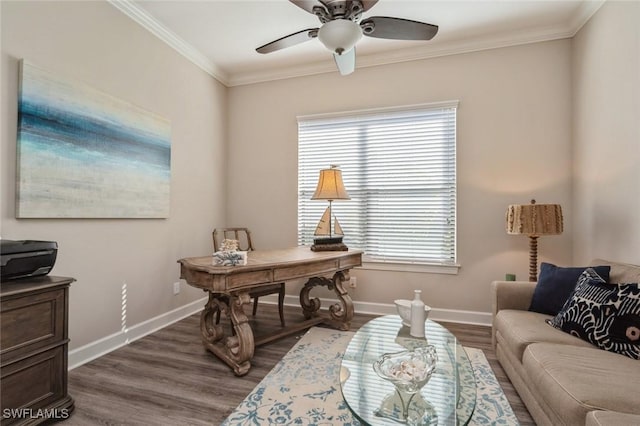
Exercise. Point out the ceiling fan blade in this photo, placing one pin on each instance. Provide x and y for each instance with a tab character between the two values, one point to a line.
307	4
397	28
289	40
346	62
368	4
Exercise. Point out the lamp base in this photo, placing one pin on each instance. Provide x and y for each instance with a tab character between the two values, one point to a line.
329	247
328	244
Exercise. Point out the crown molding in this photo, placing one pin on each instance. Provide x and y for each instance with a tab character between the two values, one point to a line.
586	11
427	51
140	16
291	71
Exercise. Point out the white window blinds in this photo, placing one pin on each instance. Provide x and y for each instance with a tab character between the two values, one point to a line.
399	168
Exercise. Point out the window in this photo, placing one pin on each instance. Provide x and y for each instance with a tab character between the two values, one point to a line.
399	168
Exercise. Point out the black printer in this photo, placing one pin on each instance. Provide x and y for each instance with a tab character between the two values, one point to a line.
26	258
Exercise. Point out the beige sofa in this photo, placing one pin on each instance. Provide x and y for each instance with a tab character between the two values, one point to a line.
562	379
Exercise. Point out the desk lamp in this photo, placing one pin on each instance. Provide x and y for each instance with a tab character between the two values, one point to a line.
330	187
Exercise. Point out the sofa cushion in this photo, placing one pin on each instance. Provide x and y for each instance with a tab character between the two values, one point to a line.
574	380
620	272
611	418
516	329
606	315
555	285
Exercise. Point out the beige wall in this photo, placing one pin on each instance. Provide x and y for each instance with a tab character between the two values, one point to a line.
514	138
514	143
95	43
606	135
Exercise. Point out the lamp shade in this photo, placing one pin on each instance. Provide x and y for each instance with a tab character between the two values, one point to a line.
340	35
534	219
330	185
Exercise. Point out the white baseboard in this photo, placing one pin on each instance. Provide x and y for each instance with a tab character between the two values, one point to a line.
446	315
93	350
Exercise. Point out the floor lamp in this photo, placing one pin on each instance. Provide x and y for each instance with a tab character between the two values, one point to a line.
534	220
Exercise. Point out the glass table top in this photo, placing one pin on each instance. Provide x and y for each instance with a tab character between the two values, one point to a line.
448	398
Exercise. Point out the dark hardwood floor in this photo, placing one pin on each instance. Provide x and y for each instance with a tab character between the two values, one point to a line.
168	378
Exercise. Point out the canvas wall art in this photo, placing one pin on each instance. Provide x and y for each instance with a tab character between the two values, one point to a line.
82	153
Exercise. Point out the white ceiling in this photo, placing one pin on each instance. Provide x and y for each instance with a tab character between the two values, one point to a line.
221	35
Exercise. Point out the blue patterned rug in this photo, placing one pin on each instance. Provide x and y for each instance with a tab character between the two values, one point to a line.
304	388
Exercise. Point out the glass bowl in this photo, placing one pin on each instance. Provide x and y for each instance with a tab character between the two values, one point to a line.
409	371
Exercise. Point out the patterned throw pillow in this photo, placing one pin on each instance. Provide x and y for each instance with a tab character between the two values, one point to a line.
605	315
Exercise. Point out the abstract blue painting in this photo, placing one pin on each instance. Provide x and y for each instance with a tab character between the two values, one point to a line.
82	153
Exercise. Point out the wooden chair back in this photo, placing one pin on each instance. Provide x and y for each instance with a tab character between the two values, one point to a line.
243	235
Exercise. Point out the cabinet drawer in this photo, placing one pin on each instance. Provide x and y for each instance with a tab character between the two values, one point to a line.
248	278
34	382
299	271
31	322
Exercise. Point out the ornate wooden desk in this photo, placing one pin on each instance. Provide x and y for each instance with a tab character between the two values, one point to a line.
228	288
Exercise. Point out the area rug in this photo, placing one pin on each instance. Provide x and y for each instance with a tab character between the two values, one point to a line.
304	388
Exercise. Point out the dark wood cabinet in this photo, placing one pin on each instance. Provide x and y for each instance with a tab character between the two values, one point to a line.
33	350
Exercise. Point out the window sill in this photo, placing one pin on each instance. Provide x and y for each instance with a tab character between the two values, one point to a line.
377	265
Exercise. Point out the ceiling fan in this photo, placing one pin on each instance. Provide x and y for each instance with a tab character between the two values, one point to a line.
341	29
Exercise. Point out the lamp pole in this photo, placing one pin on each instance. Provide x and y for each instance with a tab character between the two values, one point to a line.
533	258
330	215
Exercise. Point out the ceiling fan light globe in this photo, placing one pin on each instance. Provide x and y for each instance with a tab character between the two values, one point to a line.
340	35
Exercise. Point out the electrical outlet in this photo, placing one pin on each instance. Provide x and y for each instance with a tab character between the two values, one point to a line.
176	287
353	282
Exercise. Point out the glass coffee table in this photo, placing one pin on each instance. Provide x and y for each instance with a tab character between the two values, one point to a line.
448	398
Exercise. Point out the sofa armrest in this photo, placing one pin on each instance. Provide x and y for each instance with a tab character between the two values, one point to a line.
509	295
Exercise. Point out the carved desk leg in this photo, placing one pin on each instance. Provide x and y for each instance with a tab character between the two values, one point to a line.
310	307
341	313
237	350
210	331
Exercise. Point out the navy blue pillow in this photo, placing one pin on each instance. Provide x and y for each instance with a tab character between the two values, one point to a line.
555	285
